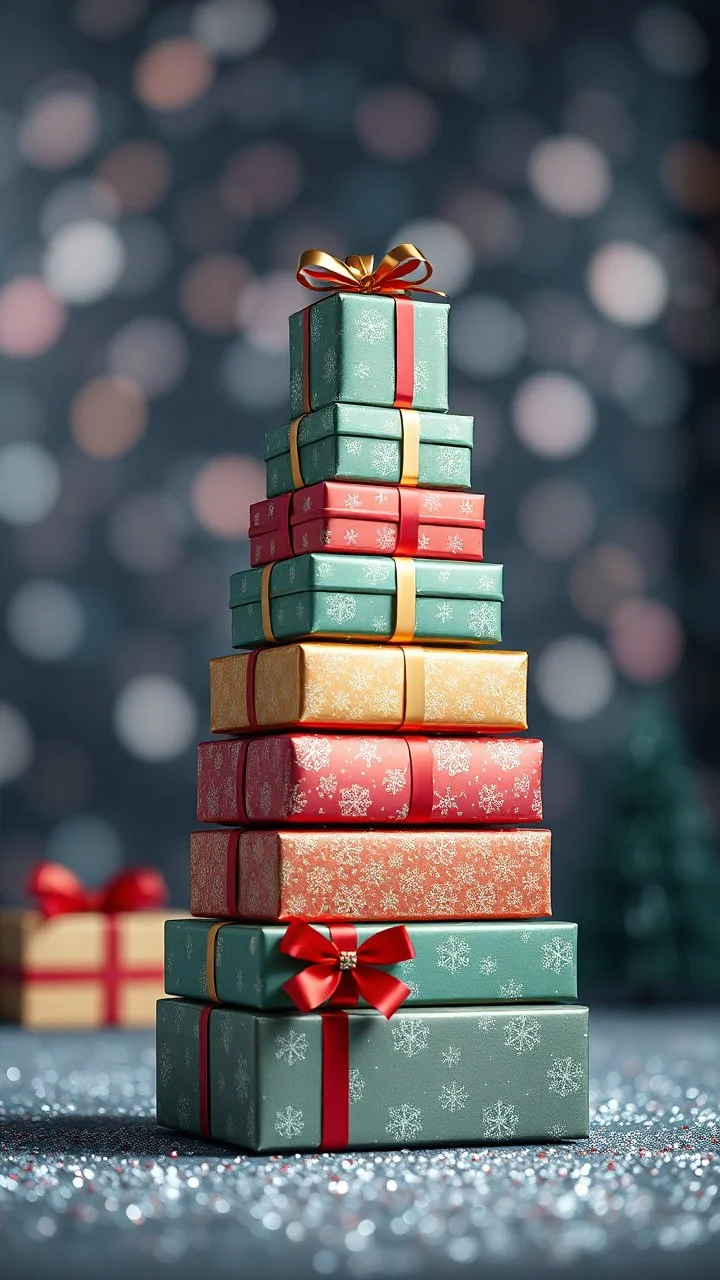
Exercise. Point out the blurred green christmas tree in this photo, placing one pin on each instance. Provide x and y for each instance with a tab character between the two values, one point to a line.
653	901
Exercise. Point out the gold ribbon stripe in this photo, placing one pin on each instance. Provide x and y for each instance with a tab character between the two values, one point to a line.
414	715
405	599
297	476
265	604
410	446
213	932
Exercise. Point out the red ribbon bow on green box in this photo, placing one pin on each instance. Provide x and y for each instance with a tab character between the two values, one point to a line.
340	971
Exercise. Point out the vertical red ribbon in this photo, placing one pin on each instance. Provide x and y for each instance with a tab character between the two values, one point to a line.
409	521
111	972
232	872
240	779
335	1101
421	780
306	358
204	1069
250	688
404	354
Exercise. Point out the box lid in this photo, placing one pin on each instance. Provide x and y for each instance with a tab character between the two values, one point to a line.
370	421
322	571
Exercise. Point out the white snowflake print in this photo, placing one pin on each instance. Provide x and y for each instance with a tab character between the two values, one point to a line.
467	506
352	501
253	944
431	502
394	780
230	1127
481	620
514	900
289	1123
421	378
239	979
412	880
521	785
242	1078
485	1023
557	954
450	756
296	386
385	538
356	1084
362	370
330	364
443	576
410	1036
389	903
291	1048
565	1076
295	800
444	612
453	1096
505	754
266	794
531	885
379	624
251	1125
350	900
188	945
370	327
381	499
442	900
536	805
273	476
488	965
307	504
183	1112
327	786
447	803
350	537
455	544
377	572
341	607
353	446
355	801
226	1030
404	1122
511	990
313	753
522	1033
481	899
525	935
453	953
500	1120
325	570
368	753
221	1082
490	798
423	542
384	457
450	463
504	870
557	1130
164	1064
451	1056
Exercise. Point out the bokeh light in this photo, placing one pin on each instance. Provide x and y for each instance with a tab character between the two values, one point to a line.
84	261
108	416
574	677
651	384
646	640
570	175
222	491
16	743
231	28
45	620
487	337
154	718
60	125
553	415
264	307
29	482
627	283
446	248
106	19
671	40
260	179
490	223
31	318
556	517
150	353
173	74
604	118
396	122
138	172
75	200
691	174
602	578
88	845
210	291
145	532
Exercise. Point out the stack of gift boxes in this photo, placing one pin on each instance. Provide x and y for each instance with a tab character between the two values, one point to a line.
370	960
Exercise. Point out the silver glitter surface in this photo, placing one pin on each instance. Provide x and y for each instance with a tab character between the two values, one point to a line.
90	1187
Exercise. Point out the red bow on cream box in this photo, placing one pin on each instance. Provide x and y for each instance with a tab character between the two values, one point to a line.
84	957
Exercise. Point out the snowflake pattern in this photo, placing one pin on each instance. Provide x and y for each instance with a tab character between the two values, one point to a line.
565	1076
242	1078
444	613
183	1112
453	953
455	544
481	620
356	1084
354	801
289	1123
384	457
313	753
500	1120
485	1023
452	757
488	965
410	1036
164	1064
394	781
511	990
522	1033
341	607
453	1097
368	753
377	572
291	1048
557	954
370	326
350	537
385	538
362	370
404	1122
451	1056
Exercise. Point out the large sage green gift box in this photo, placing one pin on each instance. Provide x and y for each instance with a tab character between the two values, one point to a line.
359	442
368	597
367	349
455	963
466	1075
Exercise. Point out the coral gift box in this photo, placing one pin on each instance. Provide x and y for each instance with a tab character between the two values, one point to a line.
368	520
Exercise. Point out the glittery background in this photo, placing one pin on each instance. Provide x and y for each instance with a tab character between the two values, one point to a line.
88	1183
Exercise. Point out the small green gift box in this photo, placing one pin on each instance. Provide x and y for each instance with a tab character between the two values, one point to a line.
357	442
455	962
364	348
306	1082
367	597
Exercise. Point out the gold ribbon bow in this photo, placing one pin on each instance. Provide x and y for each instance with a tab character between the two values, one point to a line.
404	269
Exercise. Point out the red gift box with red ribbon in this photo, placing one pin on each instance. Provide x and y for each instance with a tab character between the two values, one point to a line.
368	519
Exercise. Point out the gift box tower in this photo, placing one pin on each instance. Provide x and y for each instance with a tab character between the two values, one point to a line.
371	961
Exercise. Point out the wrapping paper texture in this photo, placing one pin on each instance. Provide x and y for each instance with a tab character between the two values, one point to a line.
357	597
358	442
35	954
370	875
321	685
457	963
477	1075
365	519
360	779
352	352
